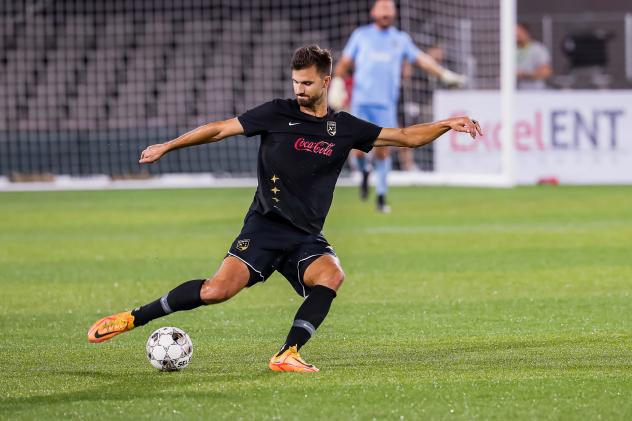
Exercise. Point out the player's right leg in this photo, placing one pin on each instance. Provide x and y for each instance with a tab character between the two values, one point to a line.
382	161
231	277
361	163
362	160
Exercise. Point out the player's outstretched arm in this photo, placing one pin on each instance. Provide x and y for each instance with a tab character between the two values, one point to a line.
208	133
430	65
422	134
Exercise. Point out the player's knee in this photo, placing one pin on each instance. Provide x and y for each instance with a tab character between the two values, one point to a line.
335	280
215	290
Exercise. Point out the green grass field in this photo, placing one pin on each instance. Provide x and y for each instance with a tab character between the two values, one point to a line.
461	304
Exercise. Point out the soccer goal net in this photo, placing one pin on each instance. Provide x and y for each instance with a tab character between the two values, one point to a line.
85	86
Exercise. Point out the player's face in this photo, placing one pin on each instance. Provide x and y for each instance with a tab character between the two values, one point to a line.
309	86
522	36
383	13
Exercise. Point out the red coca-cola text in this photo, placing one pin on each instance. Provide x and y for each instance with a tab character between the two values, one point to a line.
318	147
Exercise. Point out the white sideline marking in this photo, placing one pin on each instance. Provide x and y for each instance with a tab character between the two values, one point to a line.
208	180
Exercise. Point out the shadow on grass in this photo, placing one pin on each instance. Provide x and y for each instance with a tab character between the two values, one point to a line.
117	387
480	357
476	353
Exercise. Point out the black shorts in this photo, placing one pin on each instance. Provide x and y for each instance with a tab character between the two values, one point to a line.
267	244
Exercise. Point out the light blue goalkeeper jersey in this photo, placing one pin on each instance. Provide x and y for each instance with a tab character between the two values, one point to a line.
378	56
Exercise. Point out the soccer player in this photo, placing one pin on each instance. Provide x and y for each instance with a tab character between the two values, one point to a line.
376	53
304	145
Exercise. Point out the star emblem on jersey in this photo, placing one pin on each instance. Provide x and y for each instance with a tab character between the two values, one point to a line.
331	128
242	245
275	190
274	178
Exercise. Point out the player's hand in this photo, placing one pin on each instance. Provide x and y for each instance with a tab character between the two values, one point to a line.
152	153
337	96
451	78
465	125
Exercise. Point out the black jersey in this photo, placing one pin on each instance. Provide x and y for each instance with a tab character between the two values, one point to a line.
300	159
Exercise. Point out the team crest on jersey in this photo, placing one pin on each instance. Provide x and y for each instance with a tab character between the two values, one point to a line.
331	128
242	245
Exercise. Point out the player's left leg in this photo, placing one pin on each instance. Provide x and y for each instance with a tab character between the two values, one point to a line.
322	277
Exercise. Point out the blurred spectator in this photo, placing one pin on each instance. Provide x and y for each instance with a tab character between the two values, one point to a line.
533	65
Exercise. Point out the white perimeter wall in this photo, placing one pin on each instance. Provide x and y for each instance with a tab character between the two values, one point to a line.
579	137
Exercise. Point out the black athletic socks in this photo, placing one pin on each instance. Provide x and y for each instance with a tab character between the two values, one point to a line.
185	296
309	316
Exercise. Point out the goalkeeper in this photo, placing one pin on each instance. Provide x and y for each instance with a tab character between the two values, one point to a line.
376	53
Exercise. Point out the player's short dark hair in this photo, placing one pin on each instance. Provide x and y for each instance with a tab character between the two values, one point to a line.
312	55
524	25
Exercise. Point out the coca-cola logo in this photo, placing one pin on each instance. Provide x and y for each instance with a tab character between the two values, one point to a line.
319	147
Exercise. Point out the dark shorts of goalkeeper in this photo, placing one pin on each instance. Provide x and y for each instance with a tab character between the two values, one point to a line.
267	244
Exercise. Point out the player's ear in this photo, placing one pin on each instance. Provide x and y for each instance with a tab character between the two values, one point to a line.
327	80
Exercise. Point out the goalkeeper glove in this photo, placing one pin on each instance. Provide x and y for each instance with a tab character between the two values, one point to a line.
452	79
337	93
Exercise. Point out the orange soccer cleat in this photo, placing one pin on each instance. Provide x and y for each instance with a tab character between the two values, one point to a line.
109	327
290	360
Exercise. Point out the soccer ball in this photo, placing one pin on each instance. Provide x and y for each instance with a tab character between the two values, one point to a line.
169	349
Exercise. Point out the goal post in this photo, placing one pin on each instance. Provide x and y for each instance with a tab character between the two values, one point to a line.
476	38
508	88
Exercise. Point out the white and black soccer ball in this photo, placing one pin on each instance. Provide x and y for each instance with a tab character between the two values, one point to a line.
169	349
